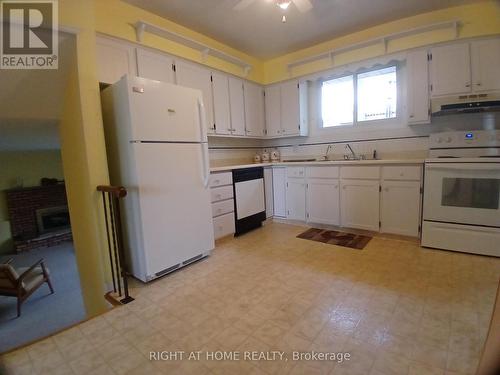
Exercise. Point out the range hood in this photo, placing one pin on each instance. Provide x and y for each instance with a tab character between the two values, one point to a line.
473	103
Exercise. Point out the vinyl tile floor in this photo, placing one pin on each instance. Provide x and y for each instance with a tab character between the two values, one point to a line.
395	308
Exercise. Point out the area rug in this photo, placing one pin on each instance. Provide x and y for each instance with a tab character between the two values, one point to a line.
332	237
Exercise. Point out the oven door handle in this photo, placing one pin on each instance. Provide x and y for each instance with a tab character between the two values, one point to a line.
468	167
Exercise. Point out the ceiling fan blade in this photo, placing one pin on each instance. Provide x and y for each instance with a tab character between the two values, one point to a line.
303	5
243	4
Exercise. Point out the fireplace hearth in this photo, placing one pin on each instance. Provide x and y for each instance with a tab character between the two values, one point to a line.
38	216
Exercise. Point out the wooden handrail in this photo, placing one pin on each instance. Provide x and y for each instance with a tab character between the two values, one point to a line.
117	191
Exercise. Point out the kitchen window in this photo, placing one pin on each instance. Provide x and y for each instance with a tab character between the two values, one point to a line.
360	97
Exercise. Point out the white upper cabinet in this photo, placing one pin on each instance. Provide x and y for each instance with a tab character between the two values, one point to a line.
197	77
254	109
273	110
450	70
290	108
286	109
154	65
485	56
237	106
418	87
220	87
114	60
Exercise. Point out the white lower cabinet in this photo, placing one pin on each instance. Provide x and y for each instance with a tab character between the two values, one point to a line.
400	207
221	191
322	201
373	198
224	225
268	191
360	204
279	191
296	199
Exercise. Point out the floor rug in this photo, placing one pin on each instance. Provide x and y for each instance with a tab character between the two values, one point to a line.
332	237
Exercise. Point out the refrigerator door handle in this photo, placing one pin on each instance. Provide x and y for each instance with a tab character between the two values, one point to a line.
206	171
202	121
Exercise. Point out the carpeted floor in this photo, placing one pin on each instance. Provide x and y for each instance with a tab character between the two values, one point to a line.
43	313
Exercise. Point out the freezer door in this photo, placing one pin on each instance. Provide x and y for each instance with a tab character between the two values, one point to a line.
164	112
174	201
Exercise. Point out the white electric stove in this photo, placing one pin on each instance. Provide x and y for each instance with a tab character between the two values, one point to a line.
461	210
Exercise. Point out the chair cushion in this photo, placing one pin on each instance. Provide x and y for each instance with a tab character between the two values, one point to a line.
34	278
7	275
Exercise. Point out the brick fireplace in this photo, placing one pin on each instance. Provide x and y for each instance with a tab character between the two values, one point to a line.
38	216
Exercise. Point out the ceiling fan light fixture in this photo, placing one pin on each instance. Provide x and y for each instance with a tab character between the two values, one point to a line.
283	4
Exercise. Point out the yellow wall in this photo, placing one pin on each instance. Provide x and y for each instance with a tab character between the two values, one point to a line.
114	17
84	154
477	19
30	167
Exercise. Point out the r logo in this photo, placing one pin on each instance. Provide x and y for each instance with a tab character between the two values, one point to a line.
29	34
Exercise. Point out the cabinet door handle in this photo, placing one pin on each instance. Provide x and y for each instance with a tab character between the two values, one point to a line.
412	116
478	84
467	85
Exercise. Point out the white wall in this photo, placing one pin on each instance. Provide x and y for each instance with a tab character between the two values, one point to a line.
231	151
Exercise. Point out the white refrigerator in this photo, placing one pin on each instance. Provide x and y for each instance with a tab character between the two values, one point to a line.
157	149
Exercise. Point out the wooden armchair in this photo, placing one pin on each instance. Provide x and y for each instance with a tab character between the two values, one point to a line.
23	281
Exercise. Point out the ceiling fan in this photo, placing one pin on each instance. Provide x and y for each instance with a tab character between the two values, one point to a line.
302	5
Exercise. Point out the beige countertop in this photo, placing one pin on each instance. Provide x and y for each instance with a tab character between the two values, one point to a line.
333	162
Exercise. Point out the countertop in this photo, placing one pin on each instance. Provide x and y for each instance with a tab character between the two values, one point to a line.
333	162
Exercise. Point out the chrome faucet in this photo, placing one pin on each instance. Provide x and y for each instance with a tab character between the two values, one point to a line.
354	157
327	151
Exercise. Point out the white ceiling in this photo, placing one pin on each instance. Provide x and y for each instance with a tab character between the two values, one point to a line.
258	31
31	103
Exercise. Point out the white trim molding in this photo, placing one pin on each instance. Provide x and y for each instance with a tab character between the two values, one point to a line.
142	26
384	41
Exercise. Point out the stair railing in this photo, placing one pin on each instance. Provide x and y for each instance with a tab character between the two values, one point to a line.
111	196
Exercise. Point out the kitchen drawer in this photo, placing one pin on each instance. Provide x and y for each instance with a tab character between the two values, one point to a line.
221	179
322	172
223	207
360	172
295	172
221	193
224	225
406	172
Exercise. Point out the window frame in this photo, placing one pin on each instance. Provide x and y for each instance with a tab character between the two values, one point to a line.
367	123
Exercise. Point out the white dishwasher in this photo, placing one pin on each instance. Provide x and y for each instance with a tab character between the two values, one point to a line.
249	198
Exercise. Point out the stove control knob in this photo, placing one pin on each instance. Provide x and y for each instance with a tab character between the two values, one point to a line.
448	140
439	140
